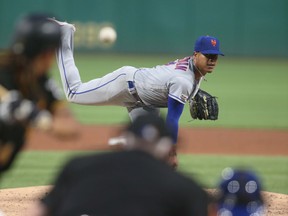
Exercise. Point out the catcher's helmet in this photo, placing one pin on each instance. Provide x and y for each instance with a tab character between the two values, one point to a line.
34	34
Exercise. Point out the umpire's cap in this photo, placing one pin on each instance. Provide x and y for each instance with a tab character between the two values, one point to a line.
35	33
240	193
149	127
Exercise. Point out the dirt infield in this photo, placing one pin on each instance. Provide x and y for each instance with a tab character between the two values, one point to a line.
191	140
14	202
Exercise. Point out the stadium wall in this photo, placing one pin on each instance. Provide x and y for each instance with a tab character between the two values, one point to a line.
245	28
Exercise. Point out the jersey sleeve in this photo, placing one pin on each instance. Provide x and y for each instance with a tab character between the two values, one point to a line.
175	109
179	89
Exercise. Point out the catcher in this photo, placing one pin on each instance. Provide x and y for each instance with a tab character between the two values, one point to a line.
133	182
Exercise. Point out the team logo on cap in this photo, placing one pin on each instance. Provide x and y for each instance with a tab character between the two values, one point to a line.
213	42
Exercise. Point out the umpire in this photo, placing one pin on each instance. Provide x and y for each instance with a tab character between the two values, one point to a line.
136	181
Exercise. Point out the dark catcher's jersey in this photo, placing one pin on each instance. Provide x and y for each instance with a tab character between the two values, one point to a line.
124	184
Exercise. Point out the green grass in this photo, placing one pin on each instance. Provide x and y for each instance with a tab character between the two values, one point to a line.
39	168
34	168
252	93
207	169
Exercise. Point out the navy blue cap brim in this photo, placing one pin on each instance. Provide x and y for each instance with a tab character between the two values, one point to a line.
212	52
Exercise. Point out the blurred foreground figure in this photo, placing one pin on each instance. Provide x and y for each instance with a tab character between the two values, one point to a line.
240	194
137	181
28	97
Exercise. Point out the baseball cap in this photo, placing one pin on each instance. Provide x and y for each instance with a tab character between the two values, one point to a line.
240	193
149	127
208	45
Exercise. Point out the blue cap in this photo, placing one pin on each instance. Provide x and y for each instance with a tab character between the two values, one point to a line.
208	45
240	194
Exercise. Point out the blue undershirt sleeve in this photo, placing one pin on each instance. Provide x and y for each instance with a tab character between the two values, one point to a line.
175	109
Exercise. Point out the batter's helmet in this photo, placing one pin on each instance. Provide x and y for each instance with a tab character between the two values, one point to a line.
34	34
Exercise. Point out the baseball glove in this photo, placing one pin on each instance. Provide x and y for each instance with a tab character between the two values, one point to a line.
204	106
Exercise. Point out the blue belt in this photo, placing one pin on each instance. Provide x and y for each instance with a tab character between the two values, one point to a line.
133	92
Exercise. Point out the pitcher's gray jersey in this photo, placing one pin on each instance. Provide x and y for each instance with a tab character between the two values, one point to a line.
175	79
